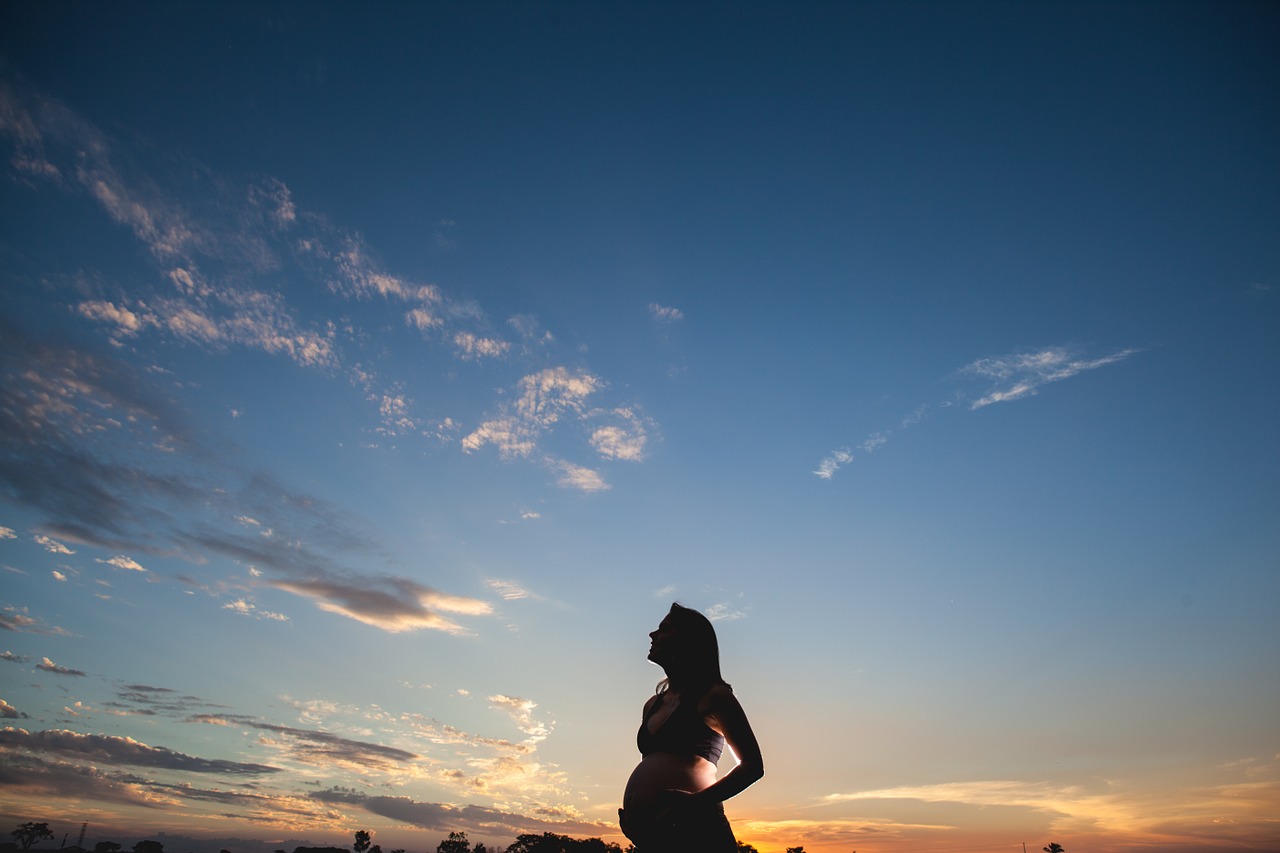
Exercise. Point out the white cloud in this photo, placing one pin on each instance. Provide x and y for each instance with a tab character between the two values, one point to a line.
624	439
53	546
7	533
58	576
577	477
665	314
545	398
473	347
394	605
509	590
833	462
725	613
1022	374
873	442
246	608
521	711
123	562
422	319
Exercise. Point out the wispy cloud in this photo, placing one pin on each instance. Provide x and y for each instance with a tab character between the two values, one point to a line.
248	608
470	346
665	313
548	399
521	712
19	619
394	605
579	477
218	254
1010	377
475	819
833	462
724	612
109	749
509	590
317	748
49	666
123	562
53	546
1023	374
545	399
623	438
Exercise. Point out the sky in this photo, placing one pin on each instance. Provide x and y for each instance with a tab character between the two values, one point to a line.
374	376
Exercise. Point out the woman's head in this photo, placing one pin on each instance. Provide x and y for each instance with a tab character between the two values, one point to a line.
685	646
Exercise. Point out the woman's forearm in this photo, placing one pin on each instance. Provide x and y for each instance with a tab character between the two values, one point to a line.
737	780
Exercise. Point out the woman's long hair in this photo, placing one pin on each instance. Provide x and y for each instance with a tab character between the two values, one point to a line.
698	667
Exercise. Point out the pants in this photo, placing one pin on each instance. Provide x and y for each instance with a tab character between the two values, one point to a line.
702	831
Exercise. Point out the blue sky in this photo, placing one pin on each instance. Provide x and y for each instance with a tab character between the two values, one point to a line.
374	378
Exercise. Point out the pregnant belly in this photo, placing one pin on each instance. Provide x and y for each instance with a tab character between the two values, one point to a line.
662	771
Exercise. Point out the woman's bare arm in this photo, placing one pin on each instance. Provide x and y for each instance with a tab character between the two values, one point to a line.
724	714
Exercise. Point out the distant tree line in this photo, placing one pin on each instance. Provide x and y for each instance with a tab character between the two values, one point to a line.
28	834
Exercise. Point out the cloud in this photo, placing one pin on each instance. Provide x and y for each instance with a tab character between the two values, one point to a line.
521	711
20	620
49	666
394	605
544	399
473	348
983	793
664	314
474	819
36	776
578	477
246	608
624	439
122	562
53	546
725	613
1013	377
7	533
109	749
509	590
1022	374
833	462
146	700
9	712
12	658
318	748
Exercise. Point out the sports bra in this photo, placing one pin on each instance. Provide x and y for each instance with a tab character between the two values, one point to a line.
684	732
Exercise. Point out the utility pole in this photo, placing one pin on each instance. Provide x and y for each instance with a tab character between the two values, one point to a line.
83	827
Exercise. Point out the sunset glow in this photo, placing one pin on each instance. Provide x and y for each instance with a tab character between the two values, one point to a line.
374	376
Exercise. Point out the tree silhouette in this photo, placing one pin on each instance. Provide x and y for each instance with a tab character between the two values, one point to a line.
746	848
148	847
479	848
361	843
549	842
106	847
29	833
1054	847
455	843
795	850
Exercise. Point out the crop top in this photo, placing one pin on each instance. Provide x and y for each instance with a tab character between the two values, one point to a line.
684	732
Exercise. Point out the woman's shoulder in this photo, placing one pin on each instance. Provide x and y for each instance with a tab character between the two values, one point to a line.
717	696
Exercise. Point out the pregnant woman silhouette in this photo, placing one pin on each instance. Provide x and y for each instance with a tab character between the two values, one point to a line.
673	802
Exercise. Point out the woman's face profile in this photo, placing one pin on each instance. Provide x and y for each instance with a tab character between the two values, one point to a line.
662	641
